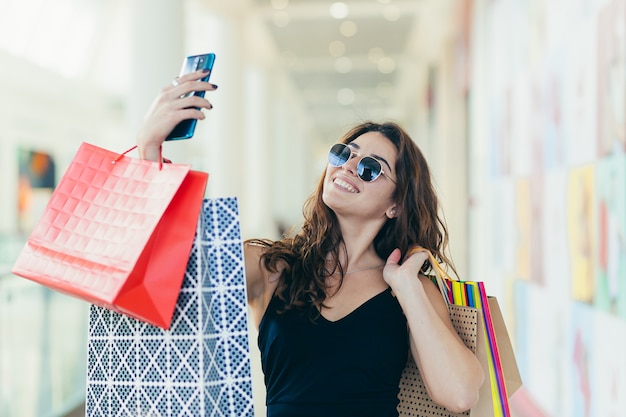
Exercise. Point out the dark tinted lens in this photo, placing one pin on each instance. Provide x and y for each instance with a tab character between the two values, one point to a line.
339	154
369	169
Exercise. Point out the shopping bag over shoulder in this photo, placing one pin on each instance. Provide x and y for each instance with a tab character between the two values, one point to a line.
117	232
478	320
414	398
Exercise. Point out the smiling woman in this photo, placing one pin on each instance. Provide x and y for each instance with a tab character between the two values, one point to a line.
333	326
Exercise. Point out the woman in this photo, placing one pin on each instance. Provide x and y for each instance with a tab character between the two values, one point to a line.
335	306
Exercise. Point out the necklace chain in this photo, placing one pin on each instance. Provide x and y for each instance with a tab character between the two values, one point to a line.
362	269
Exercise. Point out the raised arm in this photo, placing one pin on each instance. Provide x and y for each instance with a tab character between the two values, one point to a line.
168	109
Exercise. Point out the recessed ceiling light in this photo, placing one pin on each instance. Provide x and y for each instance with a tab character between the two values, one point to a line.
348	28
339	10
386	65
337	48
392	13
375	54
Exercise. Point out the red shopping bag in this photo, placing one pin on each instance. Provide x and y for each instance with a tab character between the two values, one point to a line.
117	232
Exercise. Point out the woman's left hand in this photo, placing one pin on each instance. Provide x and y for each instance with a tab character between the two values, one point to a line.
396	275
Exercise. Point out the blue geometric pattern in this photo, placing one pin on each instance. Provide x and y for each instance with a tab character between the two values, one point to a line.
201	366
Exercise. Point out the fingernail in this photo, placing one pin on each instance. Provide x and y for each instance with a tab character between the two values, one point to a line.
205	70
214	86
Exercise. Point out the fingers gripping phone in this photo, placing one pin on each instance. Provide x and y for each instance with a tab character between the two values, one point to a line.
186	128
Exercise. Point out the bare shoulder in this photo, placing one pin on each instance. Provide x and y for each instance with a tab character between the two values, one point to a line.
255	271
260	282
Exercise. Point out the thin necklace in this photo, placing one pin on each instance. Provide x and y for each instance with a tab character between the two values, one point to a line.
362	269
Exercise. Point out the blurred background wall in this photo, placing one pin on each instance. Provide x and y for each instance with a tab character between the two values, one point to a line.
518	106
547	194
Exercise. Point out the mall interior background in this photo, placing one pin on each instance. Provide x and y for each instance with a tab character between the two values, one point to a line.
519	106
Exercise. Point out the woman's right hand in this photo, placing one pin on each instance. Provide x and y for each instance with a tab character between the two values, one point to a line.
168	109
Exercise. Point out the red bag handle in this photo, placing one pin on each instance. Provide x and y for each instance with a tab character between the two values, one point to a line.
161	159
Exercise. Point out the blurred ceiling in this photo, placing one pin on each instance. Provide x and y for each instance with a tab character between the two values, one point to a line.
347	61
357	59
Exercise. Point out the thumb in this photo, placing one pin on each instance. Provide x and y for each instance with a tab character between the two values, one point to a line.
394	257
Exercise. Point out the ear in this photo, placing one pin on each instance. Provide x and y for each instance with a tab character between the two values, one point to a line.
392	212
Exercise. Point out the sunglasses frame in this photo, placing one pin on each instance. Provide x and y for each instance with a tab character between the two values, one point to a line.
360	167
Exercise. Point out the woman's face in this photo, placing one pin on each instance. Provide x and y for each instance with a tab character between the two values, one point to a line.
349	195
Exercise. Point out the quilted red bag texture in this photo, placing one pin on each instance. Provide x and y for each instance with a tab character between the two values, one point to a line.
117	232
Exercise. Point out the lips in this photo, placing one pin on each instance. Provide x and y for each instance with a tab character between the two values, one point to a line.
344	185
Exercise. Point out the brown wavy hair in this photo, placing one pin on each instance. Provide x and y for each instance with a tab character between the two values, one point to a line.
306	253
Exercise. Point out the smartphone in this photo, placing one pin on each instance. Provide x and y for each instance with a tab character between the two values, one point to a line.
186	128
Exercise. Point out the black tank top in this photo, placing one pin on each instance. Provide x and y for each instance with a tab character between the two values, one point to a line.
347	368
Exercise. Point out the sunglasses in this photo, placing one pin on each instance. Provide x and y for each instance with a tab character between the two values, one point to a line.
368	168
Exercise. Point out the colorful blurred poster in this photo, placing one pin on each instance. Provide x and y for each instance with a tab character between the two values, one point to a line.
581	231
523	241
36	181
611	60
537	209
610	289
500	134
581	356
529	245
553	143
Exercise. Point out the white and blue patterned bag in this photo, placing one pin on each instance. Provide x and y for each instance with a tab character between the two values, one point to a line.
201	366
